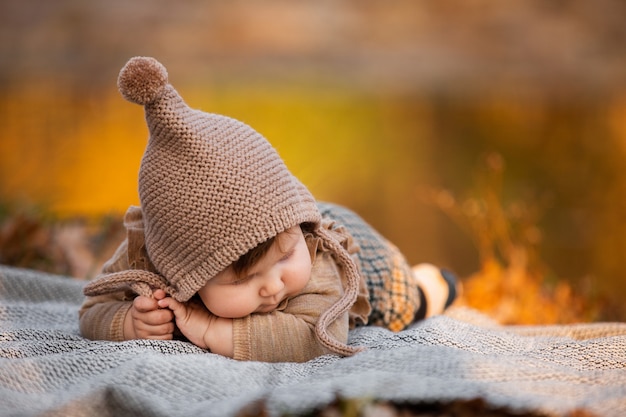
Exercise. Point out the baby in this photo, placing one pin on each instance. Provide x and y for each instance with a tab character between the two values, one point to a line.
232	253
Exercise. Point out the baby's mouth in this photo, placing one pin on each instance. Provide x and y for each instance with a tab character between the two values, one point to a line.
267	308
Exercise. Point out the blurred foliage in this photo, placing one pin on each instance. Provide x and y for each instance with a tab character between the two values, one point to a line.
513	284
374	153
363	407
32	238
387	109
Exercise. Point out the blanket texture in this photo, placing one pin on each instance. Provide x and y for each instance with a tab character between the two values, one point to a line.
47	368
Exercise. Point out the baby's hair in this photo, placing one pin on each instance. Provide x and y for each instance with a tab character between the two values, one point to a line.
254	255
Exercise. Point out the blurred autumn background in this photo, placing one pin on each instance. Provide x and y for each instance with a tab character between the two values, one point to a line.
485	136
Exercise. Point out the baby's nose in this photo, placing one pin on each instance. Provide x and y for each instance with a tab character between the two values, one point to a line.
272	285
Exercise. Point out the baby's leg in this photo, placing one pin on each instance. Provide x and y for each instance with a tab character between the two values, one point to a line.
439	288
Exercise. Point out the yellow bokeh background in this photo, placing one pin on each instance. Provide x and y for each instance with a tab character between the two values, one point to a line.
482	136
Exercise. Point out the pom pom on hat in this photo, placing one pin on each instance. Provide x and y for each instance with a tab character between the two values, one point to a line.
142	80
211	187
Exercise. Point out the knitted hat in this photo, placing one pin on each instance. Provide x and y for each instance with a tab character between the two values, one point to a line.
211	189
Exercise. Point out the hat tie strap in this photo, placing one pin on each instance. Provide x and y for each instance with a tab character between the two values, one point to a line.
346	301
140	281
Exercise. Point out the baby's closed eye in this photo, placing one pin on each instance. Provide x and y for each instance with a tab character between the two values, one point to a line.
243	279
286	256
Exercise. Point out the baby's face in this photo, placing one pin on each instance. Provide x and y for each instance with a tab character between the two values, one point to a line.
281	273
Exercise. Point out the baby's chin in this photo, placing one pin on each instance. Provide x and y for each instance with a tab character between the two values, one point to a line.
233	314
261	309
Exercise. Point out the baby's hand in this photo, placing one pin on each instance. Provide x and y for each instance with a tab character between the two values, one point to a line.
146	320
192	319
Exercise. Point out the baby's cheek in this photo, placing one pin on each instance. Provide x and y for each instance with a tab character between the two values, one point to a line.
209	301
229	305
304	274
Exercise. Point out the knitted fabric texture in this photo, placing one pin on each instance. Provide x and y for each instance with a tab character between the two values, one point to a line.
48	369
211	189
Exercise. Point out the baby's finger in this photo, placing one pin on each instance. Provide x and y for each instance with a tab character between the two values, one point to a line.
160	332
157	317
145	304
159	294
179	309
168	336
169	302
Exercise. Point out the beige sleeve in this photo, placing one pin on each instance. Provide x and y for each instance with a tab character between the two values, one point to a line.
102	317
289	335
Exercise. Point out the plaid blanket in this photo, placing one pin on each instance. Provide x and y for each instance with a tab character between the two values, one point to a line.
47	368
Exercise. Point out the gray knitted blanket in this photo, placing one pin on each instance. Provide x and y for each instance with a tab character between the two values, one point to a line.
47	368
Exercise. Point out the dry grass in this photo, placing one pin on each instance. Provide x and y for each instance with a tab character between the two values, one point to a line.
344	407
511	284
76	247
